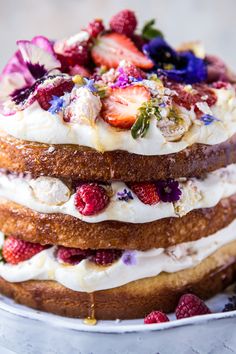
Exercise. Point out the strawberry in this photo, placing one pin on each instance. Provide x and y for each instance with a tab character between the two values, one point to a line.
146	192
90	198
120	108
53	87
15	250
124	22
111	48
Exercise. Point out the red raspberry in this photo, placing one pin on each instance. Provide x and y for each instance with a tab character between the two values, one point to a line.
55	87
190	305
220	84
188	99
15	250
95	28
71	55
146	192
132	70
156	317
72	255
124	22
90	198
106	257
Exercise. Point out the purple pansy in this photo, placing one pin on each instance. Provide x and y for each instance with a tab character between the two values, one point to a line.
168	190
125	195
177	66
31	62
129	257
207	119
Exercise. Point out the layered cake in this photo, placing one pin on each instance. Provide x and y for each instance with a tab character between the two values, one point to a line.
118	172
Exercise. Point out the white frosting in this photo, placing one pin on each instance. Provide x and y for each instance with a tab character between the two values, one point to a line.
50	195
88	277
35	124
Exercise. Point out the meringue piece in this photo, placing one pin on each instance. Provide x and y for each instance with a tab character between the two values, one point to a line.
84	107
49	190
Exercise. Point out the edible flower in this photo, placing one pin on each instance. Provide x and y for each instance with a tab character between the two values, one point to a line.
207	119
129	258
126	195
177	66
168	190
57	104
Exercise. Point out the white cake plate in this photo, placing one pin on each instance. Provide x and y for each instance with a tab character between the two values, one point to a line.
27	331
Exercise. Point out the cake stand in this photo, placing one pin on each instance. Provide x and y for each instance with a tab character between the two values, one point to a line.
27	331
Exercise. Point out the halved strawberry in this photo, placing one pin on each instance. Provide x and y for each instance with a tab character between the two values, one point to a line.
146	192
120	108
111	48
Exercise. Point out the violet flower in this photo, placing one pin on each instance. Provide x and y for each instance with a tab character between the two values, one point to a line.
168	190
177	66
207	119
57	104
124	79
129	258
126	195
32	61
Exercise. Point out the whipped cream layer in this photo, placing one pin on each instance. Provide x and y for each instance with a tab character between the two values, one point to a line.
51	195
88	277
36	124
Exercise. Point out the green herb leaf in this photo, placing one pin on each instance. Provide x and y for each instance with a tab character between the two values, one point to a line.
150	32
146	112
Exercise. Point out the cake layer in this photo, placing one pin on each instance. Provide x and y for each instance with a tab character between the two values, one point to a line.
76	162
133	300
124	202
71	232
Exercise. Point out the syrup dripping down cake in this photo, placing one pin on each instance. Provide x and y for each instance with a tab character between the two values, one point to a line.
118	172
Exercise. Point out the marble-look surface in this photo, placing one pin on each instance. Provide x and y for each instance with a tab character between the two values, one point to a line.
213	21
26	331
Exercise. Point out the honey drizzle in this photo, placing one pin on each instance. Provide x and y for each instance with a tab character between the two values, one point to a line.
91	320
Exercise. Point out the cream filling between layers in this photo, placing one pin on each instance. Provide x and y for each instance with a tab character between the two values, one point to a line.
51	195
35	124
88	277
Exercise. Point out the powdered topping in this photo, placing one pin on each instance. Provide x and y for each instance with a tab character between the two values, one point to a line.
134	82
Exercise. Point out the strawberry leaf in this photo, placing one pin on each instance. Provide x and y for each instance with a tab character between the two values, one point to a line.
149	31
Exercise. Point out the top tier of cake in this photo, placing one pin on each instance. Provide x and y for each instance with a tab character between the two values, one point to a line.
107	99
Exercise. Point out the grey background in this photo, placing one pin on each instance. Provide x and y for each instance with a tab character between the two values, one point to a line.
213	21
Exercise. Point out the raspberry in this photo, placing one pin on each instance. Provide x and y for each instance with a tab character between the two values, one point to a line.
146	192
156	317
15	250
72	255
55	87
190	305
71	55
124	22
90	198
95	28
220	84
188	98
106	257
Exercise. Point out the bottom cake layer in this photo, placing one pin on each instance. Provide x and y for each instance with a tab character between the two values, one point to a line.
133	300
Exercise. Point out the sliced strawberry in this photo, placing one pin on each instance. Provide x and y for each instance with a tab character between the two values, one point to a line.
111	48
120	108
146	192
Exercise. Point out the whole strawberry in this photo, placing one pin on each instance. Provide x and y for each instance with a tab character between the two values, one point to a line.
146	192
91	198
190	305
156	317
15	250
106	257
124	22
72	255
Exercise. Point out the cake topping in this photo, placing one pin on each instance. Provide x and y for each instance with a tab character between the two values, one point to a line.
106	257
72	255
129	258
168	190
124	22
125	195
15	250
146	192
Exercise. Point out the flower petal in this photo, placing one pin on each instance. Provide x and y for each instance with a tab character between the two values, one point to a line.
44	43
